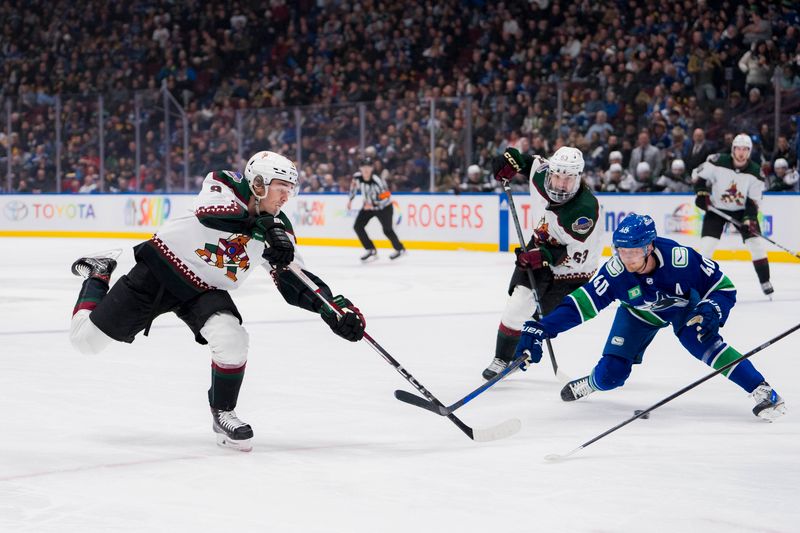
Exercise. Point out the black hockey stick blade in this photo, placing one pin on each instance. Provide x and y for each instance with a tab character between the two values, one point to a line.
500	431
413	399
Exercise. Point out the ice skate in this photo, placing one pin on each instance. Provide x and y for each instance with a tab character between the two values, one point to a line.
397	254
231	432
99	265
371	255
495	367
767	288
769	405
577	389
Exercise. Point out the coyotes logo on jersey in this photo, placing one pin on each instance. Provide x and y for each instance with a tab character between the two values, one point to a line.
732	195
542	233
229	253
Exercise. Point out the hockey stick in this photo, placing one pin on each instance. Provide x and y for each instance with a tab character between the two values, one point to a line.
413	399
639	414
500	431
537	313
738	225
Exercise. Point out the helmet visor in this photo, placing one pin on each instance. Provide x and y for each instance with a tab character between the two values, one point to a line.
561	186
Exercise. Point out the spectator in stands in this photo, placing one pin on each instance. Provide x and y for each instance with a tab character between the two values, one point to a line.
783	150
645	152
616	179
477	180
698	151
783	178
676	179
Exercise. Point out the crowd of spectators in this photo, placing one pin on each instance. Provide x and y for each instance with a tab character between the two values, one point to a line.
644	86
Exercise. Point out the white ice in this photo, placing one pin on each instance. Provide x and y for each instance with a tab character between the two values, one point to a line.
123	441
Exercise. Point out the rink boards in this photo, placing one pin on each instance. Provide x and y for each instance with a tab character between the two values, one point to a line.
480	222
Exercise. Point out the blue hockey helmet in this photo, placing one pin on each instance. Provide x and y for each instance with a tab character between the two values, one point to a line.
635	231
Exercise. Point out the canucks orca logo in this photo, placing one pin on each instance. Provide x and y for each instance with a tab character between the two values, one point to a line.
663	302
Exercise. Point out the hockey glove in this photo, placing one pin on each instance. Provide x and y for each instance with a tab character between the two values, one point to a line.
511	163
702	200
278	248
532	259
706	317
530	343
749	227
350	325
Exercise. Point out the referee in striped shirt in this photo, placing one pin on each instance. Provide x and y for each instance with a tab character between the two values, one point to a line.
377	203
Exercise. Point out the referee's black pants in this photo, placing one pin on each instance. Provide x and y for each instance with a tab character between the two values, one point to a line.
385	218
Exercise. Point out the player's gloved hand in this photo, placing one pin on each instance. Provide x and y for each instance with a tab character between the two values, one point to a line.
705	318
350	325
749	227
702	200
530	343
532	259
511	163
278	248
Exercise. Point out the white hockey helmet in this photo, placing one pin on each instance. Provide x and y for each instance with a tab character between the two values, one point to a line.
616	155
266	166
643	166
743	140
567	162
615	167
473	170
678	166
781	163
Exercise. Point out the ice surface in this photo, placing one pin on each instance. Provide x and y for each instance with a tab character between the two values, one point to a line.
123	441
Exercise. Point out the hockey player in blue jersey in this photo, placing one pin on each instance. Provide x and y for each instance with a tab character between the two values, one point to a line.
658	283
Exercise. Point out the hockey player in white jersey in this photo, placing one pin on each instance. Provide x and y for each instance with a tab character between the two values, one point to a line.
732	184
565	247
189	266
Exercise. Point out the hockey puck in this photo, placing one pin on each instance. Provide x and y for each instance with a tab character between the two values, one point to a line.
639	412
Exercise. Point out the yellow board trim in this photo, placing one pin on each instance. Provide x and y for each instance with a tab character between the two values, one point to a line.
306	241
719	255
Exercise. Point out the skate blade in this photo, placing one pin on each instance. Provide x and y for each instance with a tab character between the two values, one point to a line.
369	259
240	445
771	413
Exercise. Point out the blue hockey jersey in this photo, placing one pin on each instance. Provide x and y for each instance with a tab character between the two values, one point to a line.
680	281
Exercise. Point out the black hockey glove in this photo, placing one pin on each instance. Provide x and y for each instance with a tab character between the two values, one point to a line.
511	163
749	227
350	325
705	317
278	248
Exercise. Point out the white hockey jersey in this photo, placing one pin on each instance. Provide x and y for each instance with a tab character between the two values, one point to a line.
568	233
195	257
730	187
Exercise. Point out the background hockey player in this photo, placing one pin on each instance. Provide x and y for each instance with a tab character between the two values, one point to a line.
377	203
189	266
564	249
658	283
732	184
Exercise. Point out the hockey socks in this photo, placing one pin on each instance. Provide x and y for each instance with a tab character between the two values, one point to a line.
92	291
507	340
225	385
744	374
762	269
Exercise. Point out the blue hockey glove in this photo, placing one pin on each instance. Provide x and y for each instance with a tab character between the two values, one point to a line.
530	343
705	317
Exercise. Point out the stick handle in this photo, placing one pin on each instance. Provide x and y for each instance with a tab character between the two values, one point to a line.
738	224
